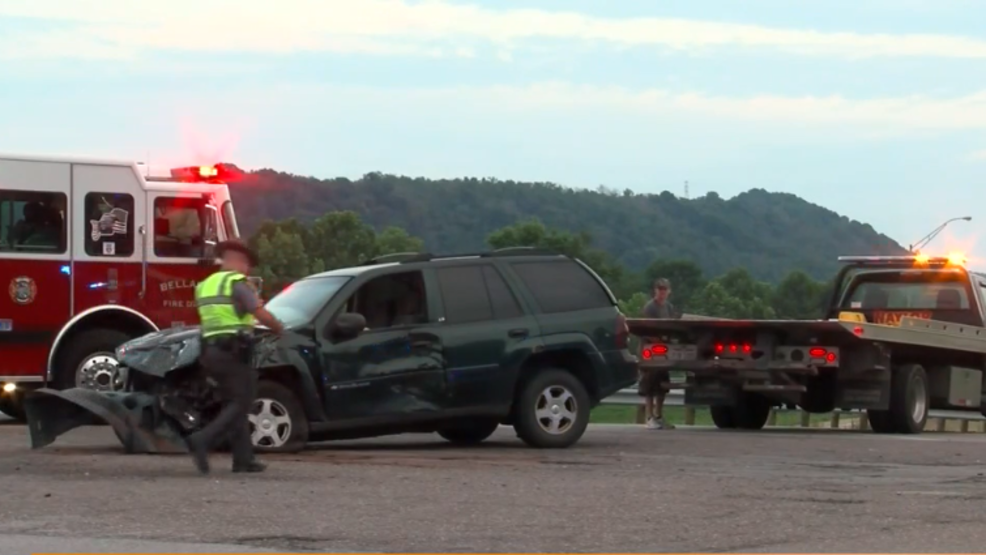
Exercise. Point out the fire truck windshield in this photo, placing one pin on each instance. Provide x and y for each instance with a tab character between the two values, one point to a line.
301	301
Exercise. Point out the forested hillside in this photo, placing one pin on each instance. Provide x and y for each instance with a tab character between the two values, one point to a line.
769	234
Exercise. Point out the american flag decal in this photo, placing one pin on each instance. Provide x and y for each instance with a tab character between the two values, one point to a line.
113	222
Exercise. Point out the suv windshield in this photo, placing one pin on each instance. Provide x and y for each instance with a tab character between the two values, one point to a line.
301	301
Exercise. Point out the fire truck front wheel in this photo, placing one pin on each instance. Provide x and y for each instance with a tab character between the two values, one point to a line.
13	407
89	361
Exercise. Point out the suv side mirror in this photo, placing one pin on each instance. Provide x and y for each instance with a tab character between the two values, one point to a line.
346	326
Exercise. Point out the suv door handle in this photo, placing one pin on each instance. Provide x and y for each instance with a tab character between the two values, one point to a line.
518	332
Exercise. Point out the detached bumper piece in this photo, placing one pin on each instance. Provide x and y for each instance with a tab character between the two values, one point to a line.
133	416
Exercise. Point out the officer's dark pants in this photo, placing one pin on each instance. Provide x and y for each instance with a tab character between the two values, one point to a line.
237	388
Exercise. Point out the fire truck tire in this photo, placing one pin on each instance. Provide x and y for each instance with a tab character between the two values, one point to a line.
81	348
909	398
722	417
14	408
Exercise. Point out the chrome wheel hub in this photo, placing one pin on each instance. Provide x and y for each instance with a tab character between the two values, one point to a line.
100	372
920	405
270	423
556	410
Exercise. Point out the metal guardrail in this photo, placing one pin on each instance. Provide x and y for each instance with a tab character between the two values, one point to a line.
677	398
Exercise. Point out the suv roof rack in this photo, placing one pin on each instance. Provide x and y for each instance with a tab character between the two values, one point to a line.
412	257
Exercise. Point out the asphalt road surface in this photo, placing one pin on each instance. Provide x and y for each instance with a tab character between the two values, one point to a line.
621	489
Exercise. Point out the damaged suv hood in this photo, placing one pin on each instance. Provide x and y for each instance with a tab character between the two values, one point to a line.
161	352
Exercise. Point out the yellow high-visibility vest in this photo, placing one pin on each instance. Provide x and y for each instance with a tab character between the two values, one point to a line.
214	299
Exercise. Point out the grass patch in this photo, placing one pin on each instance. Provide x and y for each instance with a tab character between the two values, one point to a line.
627	414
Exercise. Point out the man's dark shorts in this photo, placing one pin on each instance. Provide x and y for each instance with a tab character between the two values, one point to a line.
651	380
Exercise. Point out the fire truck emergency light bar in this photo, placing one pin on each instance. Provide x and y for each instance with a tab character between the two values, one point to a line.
953	259
218	173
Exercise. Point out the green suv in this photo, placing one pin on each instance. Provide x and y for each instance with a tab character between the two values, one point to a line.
406	343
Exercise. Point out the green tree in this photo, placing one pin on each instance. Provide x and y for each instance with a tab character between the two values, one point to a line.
340	240
798	296
713	300
394	240
633	307
283	260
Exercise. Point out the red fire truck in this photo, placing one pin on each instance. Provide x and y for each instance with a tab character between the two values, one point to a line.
92	254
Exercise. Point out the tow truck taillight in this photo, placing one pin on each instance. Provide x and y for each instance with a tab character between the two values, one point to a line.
651	351
822	353
733	348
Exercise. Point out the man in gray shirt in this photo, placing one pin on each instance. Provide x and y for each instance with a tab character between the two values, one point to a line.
651	384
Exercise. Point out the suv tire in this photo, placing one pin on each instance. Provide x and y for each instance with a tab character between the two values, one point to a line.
470	433
82	348
552	410
278	410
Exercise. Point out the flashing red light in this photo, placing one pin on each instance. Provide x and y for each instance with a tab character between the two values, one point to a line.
817	352
719	347
217	173
830	358
747	348
646	354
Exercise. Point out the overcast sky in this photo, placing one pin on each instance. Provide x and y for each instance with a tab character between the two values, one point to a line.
873	108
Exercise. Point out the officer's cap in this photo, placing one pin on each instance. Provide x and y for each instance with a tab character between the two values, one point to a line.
240	247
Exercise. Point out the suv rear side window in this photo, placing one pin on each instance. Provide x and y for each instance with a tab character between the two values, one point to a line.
562	286
504	303
464	294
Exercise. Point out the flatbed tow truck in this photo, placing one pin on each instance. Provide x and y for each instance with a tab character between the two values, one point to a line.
902	335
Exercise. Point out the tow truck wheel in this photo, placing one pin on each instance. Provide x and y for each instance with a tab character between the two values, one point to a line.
89	361
880	421
752	411
722	417
909	398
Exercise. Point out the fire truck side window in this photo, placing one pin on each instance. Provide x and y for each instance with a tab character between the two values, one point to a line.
181	226
32	222
108	224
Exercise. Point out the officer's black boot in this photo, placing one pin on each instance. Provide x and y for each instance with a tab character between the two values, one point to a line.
252	466
199	452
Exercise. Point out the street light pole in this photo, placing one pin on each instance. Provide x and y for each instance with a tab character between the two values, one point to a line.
934	233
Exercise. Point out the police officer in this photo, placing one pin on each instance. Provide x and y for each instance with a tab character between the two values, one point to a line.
228	306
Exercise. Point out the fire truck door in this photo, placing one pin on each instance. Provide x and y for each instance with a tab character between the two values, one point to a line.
108	206
181	239
34	264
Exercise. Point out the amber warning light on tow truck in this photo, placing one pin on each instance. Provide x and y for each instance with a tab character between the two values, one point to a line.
919	259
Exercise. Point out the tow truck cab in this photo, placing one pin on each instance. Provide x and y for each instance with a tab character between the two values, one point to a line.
886	289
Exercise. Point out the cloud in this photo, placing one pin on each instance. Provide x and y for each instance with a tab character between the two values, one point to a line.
126	28
978	155
882	116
